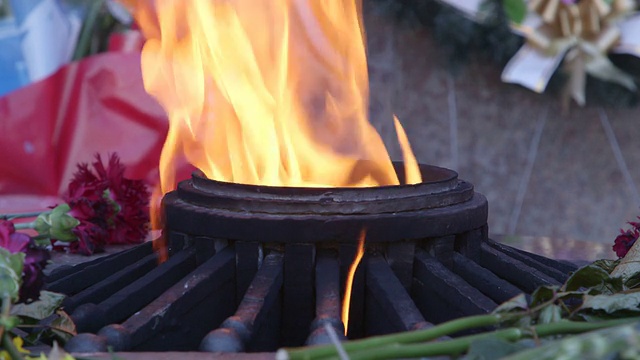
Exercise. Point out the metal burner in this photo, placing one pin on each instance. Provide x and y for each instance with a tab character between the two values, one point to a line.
254	268
441	205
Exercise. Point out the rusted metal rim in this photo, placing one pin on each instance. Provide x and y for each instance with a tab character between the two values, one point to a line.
218	223
441	187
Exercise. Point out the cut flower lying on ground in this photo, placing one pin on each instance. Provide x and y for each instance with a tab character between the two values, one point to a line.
101	207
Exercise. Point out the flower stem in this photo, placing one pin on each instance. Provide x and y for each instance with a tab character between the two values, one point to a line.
83	48
8	344
384	349
6	309
450	347
447	328
22	226
5	339
21	215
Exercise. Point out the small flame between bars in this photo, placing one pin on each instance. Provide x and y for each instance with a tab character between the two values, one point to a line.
346	301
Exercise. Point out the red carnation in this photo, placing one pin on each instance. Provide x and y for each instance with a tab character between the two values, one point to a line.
625	241
111	209
91	238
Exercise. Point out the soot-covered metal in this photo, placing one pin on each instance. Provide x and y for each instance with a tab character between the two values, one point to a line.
254	268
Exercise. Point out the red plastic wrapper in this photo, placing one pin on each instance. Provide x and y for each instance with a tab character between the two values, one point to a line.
97	105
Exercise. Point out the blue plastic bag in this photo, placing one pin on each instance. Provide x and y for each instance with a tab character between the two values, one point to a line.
36	38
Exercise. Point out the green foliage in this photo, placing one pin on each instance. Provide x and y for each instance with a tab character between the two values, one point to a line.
619	342
598	300
588	276
10	273
57	224
591	293
516	10
517	303
613	303
50	322
48	303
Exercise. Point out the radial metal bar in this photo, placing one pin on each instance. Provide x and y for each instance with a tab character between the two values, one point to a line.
468	243
298	293
400	257
103	289
208	278
328	304
439	285
395	302
166	310
442	248
73	279
513	270
237	331
119	306
484	280
248	258
554	268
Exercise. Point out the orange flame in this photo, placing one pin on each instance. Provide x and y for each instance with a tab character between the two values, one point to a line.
265	92
346	301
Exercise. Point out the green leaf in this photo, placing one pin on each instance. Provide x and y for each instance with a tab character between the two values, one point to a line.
516	10
587	277
488	349
517	303
44	307
612	303
606	264
63	326
543	294
632	282
601	344
595	279
10	273
550	314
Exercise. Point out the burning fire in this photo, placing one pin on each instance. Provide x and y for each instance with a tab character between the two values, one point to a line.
346	301
265	92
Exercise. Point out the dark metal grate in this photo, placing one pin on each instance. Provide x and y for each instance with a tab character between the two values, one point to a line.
254	268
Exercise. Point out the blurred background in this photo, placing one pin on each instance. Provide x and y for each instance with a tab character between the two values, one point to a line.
547	171
550	166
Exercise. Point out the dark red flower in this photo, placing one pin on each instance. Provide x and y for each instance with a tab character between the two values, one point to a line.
91	238
34	262
131	200
635	224
92	232
32	273
625	241
11	240
102	198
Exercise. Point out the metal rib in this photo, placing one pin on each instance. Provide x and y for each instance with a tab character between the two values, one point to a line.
237	331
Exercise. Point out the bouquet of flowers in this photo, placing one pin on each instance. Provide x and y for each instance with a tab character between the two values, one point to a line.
101	207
